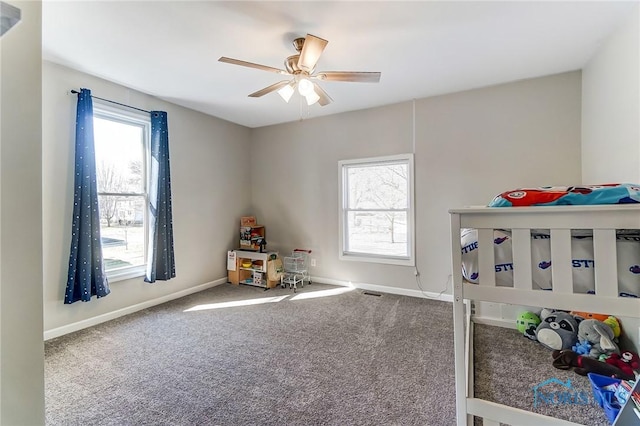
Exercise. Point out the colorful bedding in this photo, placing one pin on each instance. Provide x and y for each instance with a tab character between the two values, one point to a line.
612	193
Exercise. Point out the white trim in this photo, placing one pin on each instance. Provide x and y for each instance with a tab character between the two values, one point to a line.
89	322
496	322
117	112
106	111
511	415
410	259
122	274
385	289
387	260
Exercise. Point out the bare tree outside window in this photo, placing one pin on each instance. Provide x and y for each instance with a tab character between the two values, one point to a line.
110	180
381	188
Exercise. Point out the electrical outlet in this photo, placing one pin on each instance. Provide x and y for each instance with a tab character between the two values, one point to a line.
313	262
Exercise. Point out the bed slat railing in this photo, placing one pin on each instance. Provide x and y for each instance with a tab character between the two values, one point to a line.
560	217
560	220
486	258
617	306
510	415
606	271
522	277
459	320
561	273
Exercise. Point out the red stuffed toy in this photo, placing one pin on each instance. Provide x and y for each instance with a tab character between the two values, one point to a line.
627	361
567	359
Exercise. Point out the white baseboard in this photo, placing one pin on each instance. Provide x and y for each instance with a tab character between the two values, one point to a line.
70	328
89	322
386	289
498	322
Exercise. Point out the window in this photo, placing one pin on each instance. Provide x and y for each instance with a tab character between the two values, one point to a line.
121	147
376	210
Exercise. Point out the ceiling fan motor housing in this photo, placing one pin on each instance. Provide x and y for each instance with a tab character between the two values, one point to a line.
291	64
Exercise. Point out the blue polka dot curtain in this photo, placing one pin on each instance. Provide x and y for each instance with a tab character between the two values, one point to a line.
161	262
86	276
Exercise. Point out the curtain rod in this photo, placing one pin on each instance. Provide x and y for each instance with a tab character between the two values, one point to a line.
114	102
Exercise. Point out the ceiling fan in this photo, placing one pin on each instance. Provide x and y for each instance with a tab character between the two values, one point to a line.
301	67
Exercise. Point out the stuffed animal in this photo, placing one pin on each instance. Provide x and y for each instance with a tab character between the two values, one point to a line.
600	335
569	360
613	322
628	361
558	330
581	348
607	319
589	315
545	312
527	323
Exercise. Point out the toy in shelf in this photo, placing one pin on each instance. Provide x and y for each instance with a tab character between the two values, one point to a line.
252	236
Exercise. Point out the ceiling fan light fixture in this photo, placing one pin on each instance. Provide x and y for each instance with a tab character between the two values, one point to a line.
312	98
301	68
305	87
286	92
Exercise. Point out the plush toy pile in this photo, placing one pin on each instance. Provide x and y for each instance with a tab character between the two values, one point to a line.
581	341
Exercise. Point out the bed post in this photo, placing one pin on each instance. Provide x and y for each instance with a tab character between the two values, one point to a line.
458	322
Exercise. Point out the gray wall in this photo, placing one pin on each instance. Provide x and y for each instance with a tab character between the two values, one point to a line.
611	118
611	108
469	146
209	192
21	347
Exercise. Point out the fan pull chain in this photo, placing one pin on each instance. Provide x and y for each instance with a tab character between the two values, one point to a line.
303	104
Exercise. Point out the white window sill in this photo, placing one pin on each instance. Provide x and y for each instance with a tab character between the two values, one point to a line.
126	274
358	257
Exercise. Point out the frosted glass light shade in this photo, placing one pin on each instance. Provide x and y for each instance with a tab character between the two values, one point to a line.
286	92
305	87
312	98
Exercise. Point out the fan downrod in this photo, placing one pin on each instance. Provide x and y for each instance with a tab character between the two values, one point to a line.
298	43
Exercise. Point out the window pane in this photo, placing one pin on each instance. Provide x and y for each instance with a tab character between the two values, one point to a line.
379	186
119	148
122	231
380	233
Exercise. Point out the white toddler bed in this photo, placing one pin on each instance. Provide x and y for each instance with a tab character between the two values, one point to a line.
602	220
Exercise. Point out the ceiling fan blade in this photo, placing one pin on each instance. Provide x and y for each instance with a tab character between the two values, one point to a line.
251	65
269	89
311	51
325	99
358	77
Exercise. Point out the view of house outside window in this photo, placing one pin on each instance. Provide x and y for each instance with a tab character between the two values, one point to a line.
376	222
120	148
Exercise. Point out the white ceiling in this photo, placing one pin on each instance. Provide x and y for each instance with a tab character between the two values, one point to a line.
170	49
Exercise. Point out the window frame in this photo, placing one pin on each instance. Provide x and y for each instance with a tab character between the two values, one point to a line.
343	211
106	111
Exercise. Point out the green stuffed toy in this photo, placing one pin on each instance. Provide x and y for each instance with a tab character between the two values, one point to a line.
527	323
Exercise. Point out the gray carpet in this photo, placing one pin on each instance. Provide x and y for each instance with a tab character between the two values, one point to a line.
348	359
345	359
508	366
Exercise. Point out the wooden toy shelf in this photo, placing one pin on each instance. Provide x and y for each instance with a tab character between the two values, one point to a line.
254	271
